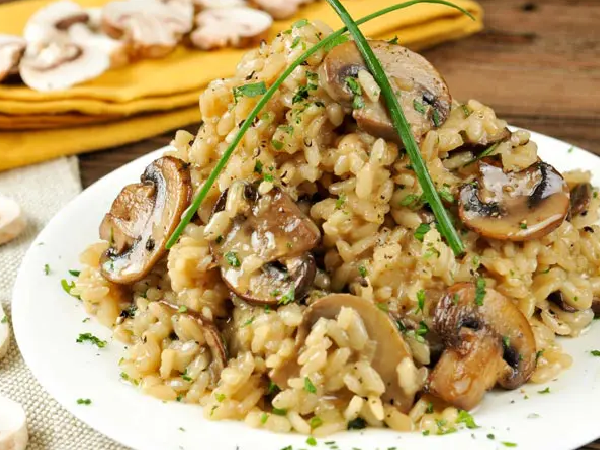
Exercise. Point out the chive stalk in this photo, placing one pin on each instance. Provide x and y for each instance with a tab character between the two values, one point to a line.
402	127
189	213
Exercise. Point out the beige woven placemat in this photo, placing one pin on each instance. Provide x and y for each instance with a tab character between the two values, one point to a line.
41	190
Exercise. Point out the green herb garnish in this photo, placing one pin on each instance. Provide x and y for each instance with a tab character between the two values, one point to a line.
420	301
357	424
47	269
316	422
84	401
362	270
421	231
595	352
74	273
545	391
311	441
467	419
249	90
288	297
419	107
479	291
279	412
182	309
232	259
83	337
309	386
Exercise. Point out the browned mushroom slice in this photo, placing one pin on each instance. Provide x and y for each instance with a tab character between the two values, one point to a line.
390	351
486	140
581	197
11	51
422	92
263	253
558	299
515	206
596	306
488	341
214	341
142	218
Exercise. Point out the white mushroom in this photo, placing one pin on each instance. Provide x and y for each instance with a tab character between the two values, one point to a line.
152	29
51	21
214	4
62	64
13	425
237	27
280	9
4	333
11	51
116	50
12	222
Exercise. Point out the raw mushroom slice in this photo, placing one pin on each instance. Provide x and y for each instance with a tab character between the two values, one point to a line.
13	425
214	341
200	5
12	222
514	206
116	50
264	244
61	64
11	51
237	27
151	29
486	343
278	9
390	351
4	333
142	218
422	92
51	21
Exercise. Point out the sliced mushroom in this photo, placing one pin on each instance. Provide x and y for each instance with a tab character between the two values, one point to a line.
200	5
422	92
486	140
4	333
13	425
84	36
514	206
487	343
390	351
237	27
142	218
61	64
11	51
151	29
278	9
263	251
12	222
596	306
49	23
558	299
581	198
214	341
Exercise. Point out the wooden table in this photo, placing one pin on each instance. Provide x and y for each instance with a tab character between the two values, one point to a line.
537	64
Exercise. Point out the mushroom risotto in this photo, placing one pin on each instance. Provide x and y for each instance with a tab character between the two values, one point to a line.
312	291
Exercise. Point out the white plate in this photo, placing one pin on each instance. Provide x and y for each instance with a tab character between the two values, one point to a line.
47	321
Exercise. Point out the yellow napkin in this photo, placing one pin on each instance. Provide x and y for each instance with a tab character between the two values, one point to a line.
171	84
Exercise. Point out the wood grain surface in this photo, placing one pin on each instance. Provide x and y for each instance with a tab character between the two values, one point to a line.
537	64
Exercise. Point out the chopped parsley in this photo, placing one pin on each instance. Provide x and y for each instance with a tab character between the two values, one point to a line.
273	388
446	195
394	40
455	299
419	107
337	41
88	337
258	166
533	416
295	42
523	225
426	433
268	178
429	409
68	287
277	145
249	90
311	441
339	203
362	270
545	391
382	306
248	322
421	231
47	269
410	200
279	412
86	320
302	92
74	273
4	319
509	444
316	422
479	291
506	341
84	401
179	397
401	326
288	297
309	386
300	23
595	352
354	86
186	377
232	259
357	424
182	309
570	149
437	121
263	418
220	397
490	436
420	301
467	419
538	354
466	110
423	329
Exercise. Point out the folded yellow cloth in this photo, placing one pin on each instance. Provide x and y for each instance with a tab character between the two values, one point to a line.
167	84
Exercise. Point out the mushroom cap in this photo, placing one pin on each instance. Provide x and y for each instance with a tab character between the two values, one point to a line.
48	22
213	4
12	222
142	218
514	206
213	337
116	50
12	49
238	27
418	83
13	425
61	64
278	9
581	198
390	351
486	343
273	230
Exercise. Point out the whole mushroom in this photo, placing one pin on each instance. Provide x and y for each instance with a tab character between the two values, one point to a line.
237	27
487	341
390	351
514	206
263	246
13	425
12	222
142	218
12	49
422	92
